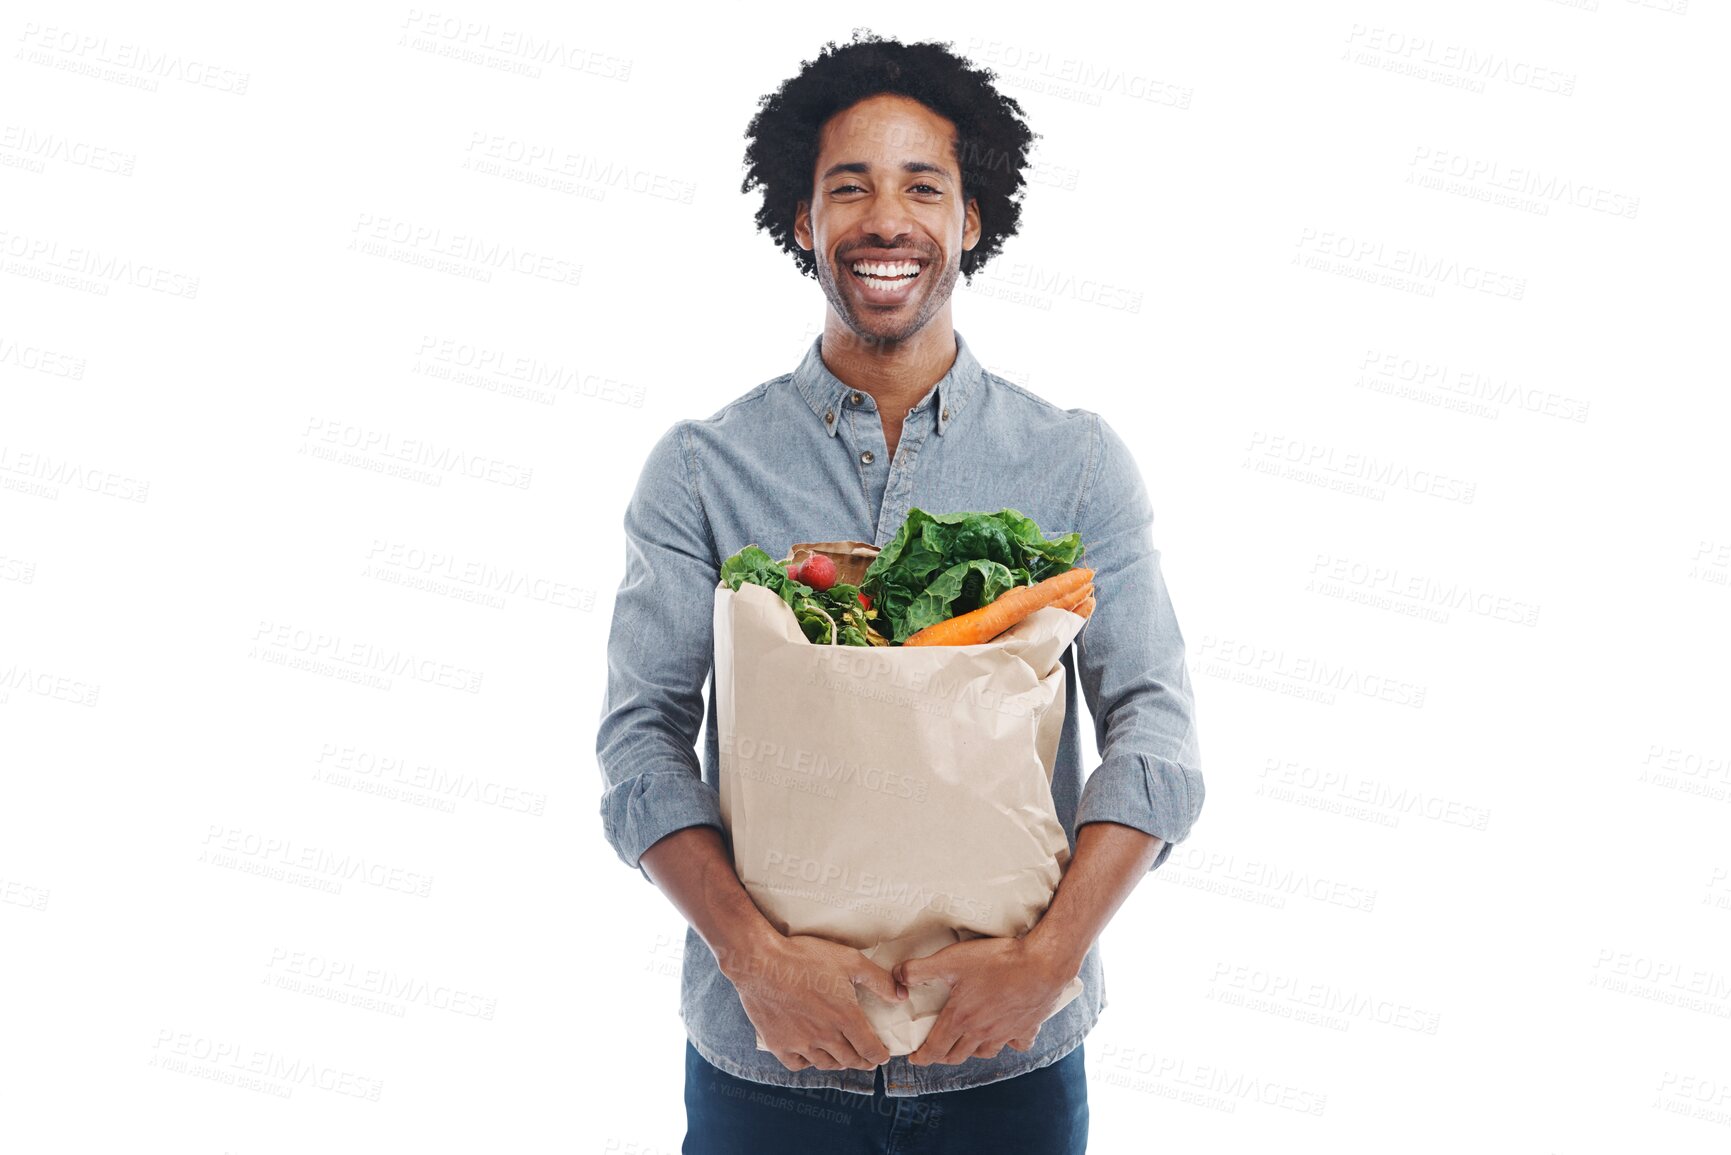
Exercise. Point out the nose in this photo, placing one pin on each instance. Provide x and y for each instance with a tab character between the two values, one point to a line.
887	221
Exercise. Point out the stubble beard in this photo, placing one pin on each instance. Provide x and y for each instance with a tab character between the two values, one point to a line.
866	328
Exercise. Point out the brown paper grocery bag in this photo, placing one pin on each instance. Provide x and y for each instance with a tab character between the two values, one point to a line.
894	799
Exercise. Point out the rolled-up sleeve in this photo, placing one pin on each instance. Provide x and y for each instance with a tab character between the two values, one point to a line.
659	651
1130	658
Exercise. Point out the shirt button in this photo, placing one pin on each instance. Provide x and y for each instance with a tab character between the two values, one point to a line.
856	398
829	417
946	413
866	457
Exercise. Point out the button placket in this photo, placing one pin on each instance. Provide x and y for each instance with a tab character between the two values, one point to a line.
901	480
863	457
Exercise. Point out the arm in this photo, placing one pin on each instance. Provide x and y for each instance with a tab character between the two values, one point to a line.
1130	658
1144	796
692	868
1110	860
1002	989
659	651
664	820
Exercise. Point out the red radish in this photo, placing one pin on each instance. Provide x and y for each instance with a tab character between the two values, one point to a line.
818	572
865	601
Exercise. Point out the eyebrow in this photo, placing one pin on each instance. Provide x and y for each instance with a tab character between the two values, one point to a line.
864	169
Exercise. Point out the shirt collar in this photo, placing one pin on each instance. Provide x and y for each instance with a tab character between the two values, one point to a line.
828	395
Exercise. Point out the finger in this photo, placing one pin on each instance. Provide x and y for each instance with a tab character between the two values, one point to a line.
966	1043
792	1060
1019	1044
824	1061
988	1050
877	980
943	1036
914	971
844	1052
863	1038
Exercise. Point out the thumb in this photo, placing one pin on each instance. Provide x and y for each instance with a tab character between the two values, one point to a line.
878	981
915	971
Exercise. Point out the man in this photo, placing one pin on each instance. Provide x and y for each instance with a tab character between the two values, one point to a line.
888	170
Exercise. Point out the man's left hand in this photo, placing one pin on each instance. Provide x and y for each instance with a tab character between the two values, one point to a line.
1001	990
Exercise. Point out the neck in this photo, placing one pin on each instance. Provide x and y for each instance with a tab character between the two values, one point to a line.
895	373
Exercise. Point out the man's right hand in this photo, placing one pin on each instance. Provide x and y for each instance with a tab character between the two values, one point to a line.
798	991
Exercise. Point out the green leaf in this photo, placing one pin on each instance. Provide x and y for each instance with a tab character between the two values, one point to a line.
941	565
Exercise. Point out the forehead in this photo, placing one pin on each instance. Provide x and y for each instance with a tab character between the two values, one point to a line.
890	126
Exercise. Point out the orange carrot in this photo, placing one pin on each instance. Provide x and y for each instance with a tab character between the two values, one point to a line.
1087	606
1071	601
987	622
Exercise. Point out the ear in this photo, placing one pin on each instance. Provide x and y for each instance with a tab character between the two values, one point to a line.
802	224
971	224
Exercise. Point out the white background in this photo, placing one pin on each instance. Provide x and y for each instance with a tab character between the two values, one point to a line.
1461	881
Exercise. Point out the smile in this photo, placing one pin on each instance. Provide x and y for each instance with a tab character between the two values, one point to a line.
887	279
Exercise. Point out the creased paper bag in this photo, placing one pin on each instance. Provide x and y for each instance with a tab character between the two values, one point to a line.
894	799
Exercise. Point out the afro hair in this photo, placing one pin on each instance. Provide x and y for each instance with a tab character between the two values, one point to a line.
992	139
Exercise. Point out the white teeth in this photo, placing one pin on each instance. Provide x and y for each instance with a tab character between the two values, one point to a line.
887	269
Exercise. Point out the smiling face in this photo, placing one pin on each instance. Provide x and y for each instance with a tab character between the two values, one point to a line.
887	225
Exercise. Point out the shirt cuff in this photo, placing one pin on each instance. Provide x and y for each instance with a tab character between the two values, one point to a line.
646	808
1155	795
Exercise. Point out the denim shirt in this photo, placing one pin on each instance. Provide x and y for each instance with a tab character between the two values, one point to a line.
803	457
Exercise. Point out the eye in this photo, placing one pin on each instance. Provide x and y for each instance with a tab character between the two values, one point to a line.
845	187
929	188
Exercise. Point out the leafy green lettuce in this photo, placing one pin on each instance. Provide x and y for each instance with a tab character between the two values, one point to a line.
942	565
810	606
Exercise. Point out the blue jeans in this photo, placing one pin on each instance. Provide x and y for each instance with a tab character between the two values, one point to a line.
1044	1112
